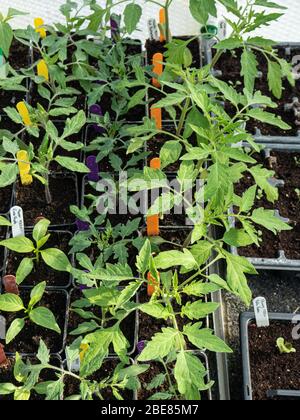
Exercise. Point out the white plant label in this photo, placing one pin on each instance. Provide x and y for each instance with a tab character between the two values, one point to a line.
17	221
75	366
153	30
261	312
2	328
222	29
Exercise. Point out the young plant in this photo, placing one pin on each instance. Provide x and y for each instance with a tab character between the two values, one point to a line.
284	347
38	315
29	381
52	257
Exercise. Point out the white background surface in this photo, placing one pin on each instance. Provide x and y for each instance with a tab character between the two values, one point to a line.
287	29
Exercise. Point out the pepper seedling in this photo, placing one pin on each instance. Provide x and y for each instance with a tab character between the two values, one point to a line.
52	257
41	316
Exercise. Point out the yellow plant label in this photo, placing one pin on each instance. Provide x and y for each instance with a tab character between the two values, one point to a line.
24	167
42	69
23	111
38	23
84	348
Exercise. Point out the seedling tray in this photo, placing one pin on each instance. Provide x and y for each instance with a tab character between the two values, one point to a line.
282	262
245	320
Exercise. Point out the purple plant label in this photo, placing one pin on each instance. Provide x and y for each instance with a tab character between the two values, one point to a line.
82	226
140	346
91	163
96	110
98	129
114	28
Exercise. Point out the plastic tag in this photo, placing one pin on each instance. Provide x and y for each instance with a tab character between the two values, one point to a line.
23	111
261	312
24	167
10	285
162	24
2	328
92	164
42	70
158	68
17	221
152	285
156	114
153	30
38	22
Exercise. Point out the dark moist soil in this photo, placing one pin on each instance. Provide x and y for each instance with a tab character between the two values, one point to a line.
74	320
27	342
2	237
146	378
72	386
176	237
32	200
19	55
42	272
6	199
269	369
7	376
230	66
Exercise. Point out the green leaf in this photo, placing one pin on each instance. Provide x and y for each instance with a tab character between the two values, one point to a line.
143	259
269	220
204	339
262	176
156	310
190	375
170	100
248	199
74	125
200	289
4	221
40	230
7	389
37	293
11	303
237	238
43	354
249	69
8	175
6	37
44	318
229	44
161	345
168	259
201	9
275	78
15	328
268	118
132	15
170	153
198	310
20	244
72	164
25	268
56	259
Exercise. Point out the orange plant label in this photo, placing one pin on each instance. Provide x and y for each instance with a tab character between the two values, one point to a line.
10	285
162	24
42	70
158	68
153	221
156	114
24	167
23	111
152	285
3	358
38	23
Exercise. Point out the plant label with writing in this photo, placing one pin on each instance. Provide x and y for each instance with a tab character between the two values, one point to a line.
17	221
261	312
153	30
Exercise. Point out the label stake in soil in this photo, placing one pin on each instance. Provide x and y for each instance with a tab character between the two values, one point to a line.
23	111
42	70
261	312
158	59
24	167
3	358
38	23
152	285
10	285
153	221
153	31
92	164
156	114
17	221
162	24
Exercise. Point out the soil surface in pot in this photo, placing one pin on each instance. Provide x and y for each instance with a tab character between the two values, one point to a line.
7	376
42	272
74	320
2	237
27	342
72	386
33	202
19	55
6	199
271	370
